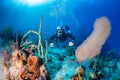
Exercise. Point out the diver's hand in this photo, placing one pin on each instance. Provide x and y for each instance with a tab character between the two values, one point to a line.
71	43
52	45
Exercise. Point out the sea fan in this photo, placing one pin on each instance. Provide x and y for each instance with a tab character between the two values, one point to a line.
93	44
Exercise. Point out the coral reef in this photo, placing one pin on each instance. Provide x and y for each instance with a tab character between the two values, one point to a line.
24	60
21	62
7	33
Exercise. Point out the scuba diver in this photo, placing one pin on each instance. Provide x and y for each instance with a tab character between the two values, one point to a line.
61	36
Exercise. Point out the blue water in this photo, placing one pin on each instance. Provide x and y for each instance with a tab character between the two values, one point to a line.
78	14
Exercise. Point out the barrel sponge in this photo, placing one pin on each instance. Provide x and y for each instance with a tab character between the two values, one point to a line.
93	44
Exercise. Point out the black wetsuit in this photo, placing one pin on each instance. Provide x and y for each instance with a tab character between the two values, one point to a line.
63	37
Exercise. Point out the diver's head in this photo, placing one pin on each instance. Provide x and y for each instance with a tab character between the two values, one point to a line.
58	27
59	31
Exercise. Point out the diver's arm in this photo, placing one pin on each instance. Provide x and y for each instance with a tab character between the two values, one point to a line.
52	38
71	36
71	43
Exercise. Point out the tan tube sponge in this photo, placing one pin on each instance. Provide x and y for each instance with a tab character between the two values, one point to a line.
93	44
